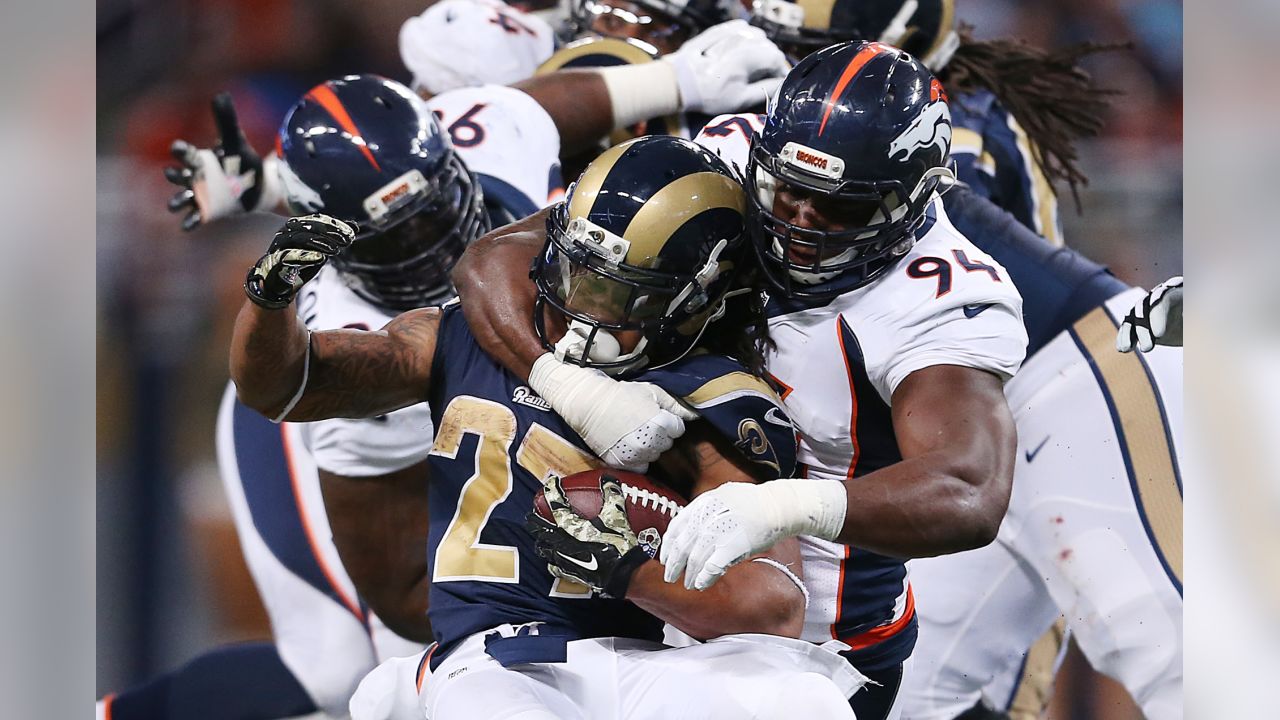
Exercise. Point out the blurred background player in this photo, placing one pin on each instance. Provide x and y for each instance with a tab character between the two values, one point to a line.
512	637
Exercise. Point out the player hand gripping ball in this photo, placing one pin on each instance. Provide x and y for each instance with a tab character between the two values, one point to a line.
724	526
229	179
602	553
298	251
1155	320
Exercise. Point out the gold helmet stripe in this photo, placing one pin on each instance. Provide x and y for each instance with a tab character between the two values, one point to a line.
671	207
629	53
817	14
583	193
944	27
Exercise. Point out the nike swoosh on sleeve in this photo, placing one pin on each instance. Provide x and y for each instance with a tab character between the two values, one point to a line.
972	311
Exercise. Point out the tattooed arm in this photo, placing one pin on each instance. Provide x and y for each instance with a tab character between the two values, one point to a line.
350	373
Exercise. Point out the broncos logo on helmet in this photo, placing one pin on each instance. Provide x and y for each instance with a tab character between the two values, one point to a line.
640	255
862	132
368	150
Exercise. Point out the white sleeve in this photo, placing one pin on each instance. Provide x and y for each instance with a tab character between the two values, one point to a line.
729	137
373	446
465	43
971	317
503	133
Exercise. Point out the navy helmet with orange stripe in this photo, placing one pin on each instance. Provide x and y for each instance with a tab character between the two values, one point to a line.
924	28
368	150
854	146
641	255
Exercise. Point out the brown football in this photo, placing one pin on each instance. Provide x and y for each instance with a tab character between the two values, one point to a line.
650	504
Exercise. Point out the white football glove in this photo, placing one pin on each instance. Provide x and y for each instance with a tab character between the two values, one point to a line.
228	179
724	526
1155	320
727	68
627	424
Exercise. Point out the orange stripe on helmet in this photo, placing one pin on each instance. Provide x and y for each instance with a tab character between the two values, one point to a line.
859	61
936	92
324	95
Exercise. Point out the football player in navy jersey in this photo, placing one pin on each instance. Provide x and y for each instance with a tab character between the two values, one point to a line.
369	150
1016	111
640	260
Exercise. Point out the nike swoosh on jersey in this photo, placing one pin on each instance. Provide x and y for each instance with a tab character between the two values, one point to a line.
775	417
1031	454
593	565
972	311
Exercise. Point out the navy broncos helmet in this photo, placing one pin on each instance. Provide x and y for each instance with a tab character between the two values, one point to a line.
649	240
864	130
924	28
368	150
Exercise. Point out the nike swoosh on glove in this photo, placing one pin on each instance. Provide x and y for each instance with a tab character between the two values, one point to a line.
601	553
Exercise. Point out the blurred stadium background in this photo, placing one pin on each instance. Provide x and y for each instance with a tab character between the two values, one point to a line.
171	581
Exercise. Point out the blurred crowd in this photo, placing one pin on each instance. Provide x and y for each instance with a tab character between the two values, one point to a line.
170	576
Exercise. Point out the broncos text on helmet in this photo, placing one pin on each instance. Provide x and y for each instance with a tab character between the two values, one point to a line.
367	150
644	250
662	26
924	28
859	133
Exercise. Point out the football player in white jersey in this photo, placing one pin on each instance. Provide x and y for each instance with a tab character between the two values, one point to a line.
501	164
894	338
1093	527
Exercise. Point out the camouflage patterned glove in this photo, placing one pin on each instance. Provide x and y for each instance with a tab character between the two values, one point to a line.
601	553
297	253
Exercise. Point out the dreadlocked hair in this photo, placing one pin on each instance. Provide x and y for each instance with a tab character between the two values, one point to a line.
1049	94
742	333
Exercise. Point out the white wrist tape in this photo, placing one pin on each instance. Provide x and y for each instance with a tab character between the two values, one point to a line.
790	576
302	387
641	92
808	507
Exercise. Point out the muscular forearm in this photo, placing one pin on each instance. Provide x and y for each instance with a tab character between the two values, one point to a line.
268	354
492	279
920	508
380	526
334	373
753	597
